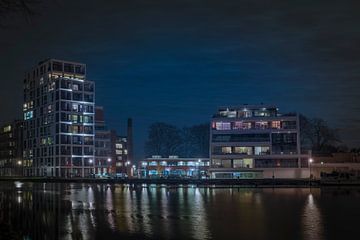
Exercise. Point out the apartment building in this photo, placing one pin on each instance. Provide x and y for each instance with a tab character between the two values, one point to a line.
256	141
58	120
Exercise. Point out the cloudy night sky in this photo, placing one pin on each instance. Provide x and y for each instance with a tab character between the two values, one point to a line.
177	61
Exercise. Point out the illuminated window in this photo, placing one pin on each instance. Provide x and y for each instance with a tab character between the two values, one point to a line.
223	126
261	125
7	129
275	124
243	150
237	125
246	125
153	163
28	115
226	150
262	150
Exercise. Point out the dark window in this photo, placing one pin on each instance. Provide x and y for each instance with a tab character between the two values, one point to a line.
68	68
57	66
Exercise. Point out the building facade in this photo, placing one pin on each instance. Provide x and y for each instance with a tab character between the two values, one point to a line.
174	167
256	142
11	149
103	159
58	120
123	164
123	152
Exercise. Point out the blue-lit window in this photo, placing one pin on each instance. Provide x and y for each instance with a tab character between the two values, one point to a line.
28	115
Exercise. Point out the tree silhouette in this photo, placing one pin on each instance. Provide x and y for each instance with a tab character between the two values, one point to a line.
9	8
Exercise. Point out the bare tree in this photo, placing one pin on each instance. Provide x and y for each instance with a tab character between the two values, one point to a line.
8	8
164	139
316	134
196	140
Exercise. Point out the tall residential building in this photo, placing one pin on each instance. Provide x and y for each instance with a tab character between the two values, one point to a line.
256	142
58	120
11	149
103	157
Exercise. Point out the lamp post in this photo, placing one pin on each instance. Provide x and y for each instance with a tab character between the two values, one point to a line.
93	170
310	161
127	163
133	170
198	166
19	163
109	166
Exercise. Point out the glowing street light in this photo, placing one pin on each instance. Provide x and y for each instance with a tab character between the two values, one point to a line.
310	161
109	159
90	161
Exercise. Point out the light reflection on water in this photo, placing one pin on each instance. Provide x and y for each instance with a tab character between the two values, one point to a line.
312	221
102	211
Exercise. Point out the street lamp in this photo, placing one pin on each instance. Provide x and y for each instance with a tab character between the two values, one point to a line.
198	167
310	161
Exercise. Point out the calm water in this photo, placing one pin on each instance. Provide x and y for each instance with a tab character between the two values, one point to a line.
100	211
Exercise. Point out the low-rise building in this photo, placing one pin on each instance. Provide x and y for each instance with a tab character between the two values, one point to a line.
173	166
335	163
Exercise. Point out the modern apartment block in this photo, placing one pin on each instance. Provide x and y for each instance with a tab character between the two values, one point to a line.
256	142
11	149
103	157
58	120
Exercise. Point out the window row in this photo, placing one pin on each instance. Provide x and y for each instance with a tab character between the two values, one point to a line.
223	150
241	138
243	125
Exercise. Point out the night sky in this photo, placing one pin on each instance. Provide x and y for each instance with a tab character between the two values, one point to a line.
177	61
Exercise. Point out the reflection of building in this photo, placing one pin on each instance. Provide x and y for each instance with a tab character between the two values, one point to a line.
255	142
173	166
11	149
59	120
103	158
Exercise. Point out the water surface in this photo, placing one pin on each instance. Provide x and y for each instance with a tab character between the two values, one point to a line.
102	211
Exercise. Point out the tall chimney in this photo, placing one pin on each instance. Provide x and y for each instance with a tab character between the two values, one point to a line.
130	145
